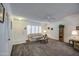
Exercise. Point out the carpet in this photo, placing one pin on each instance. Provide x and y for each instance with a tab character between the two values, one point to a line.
52	48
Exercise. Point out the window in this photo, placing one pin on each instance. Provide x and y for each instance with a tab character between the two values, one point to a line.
33	29
28	29
37	27
40	29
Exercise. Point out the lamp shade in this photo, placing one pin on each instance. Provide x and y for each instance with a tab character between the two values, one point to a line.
74	32
44	31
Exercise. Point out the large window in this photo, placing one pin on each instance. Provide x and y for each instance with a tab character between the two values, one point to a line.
33	29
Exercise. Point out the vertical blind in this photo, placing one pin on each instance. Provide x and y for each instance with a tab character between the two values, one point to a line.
33	29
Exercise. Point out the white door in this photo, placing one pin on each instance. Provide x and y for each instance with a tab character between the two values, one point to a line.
8	34
4	37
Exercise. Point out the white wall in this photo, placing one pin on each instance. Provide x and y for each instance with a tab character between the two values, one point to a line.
3	39
19	34
8	25
5	45
70	23
55	32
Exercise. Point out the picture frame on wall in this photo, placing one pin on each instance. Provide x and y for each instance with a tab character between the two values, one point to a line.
2	13
51	28
77	27
48	27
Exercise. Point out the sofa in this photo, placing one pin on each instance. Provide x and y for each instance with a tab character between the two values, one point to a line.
35	36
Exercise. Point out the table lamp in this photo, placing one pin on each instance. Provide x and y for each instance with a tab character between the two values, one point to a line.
74	33
44	31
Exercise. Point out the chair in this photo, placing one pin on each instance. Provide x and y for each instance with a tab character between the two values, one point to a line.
76	45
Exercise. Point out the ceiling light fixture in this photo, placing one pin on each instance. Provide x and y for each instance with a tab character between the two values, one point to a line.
18	18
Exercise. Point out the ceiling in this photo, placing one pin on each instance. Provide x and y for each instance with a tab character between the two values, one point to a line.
44	11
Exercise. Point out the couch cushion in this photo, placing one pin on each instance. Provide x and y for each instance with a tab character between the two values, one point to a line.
35	36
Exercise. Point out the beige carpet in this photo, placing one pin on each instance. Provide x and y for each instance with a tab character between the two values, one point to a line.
52	48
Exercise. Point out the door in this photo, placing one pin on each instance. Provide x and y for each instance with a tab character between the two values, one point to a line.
9	33
61	33
5	43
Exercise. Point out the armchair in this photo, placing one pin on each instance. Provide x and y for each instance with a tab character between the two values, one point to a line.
76	45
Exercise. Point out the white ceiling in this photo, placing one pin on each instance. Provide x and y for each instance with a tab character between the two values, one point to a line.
44	11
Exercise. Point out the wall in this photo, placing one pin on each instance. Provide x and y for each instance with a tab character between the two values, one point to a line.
5	33
70	23
55	32
3	40
19	34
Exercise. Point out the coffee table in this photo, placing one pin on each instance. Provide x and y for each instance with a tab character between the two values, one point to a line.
44	41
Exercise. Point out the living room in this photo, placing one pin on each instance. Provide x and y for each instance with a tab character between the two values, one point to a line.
46	21
30	23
